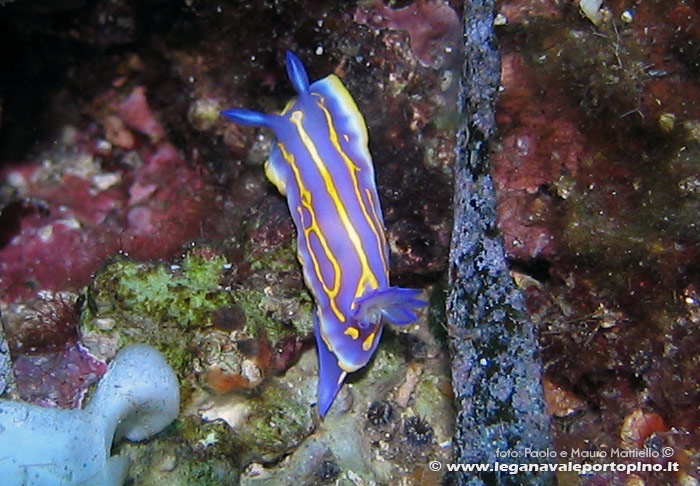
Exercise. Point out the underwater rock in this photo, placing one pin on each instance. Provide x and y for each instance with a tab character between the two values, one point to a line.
57	378
595	169
433	26
50	365
5	363
496	373
231	334
43	324
364	433
136	113
116	185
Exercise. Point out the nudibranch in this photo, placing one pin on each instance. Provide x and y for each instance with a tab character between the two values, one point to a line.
321	163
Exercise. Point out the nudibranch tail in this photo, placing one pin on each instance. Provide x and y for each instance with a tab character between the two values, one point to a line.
331	376
395	304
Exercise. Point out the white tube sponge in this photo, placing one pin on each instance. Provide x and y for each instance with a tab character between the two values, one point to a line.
138	396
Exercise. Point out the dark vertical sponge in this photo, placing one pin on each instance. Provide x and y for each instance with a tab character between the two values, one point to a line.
495	369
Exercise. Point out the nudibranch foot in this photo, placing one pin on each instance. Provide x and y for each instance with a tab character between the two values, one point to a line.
331	376
395	304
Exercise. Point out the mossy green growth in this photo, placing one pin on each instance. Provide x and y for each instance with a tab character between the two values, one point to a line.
214	437
278	421
167	461
268	315
265	248
430	398
188	296
384	368
214	472
278	259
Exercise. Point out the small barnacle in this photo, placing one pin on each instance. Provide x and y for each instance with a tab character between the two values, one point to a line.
380	413
417	431
328	471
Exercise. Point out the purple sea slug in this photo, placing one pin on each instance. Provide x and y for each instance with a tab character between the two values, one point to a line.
321	162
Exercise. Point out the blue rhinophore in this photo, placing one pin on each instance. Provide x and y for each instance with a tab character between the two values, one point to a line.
248	117
321	162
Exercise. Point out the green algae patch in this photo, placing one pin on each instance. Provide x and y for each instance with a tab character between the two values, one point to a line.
188	294
386	366
161	304
278	420
433	401
167	460
274	316
277	259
